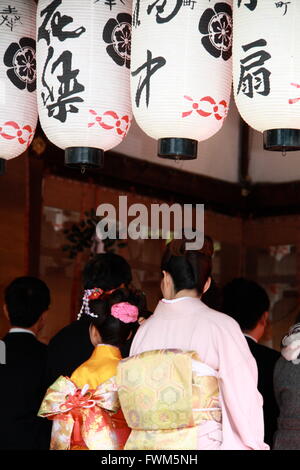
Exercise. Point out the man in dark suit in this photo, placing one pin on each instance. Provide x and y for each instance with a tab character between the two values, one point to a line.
22	377
248	303
71	346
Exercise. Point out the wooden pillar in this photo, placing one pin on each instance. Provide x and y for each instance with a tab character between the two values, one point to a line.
33	214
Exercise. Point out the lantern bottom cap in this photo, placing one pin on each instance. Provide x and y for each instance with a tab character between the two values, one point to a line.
84	157
282	140
177	148
2	166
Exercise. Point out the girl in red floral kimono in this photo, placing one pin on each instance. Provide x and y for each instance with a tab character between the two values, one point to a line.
85	408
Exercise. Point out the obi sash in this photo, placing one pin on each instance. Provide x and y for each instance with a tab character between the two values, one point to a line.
84	418
170	400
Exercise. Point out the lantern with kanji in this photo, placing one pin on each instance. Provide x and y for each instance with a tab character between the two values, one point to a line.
266	70
18	108
181	71
83	57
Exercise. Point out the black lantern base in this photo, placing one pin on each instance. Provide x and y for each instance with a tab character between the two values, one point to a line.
282	140
84	157
177	148
2	166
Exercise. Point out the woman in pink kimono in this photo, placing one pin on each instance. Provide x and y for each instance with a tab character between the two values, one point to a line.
182	321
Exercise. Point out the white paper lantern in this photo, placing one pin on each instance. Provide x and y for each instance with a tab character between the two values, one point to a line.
83	63
181	71
266	69
18	107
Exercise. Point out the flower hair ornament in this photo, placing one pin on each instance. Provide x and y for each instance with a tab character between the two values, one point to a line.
125	312
91	294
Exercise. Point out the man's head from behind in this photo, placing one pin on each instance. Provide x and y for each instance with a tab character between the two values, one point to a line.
26	300
248	303
106	271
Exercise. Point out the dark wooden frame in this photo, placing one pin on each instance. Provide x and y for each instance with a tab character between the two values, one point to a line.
151	179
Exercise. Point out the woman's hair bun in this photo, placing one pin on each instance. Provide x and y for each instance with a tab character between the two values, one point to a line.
189	269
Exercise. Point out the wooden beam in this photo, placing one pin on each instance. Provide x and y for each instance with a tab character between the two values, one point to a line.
150	179
271	199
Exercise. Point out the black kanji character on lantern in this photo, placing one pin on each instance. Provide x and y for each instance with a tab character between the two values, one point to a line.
282	4
150	66
57	24
9	10
189	3
160	6
69	86
43	79
110	3
254	77
136	14
252	4
9	17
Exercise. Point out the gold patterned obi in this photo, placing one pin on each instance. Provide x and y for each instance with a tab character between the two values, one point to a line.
84	418
166	397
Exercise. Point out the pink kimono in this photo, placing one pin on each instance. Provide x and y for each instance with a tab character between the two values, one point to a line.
187	323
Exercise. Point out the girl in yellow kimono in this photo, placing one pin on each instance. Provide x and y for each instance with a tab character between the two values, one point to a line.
85	408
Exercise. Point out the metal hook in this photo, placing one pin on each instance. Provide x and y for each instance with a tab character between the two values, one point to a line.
82	169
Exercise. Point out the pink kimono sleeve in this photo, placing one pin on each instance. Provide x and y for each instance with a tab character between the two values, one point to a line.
242	412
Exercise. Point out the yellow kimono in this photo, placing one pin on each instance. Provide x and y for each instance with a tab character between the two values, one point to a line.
85	408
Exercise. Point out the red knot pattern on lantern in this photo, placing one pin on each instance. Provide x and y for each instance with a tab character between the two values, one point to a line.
206	107
111	120
11	130
294	100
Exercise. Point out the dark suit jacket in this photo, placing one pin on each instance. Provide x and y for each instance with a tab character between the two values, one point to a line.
266	359
68	349
22	387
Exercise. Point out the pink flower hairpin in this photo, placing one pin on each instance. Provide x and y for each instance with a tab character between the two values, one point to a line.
125	312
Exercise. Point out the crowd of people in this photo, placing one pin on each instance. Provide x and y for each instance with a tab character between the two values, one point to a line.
190	375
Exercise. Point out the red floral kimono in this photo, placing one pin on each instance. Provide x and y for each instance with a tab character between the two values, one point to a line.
85	408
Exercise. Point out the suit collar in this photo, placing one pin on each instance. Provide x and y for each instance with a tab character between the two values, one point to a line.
251	337
21	330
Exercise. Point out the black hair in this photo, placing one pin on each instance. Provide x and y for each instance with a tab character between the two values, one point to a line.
106	271
189	269
26	298
245	301
112	330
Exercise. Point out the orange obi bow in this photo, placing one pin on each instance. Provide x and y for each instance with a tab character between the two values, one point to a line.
81	415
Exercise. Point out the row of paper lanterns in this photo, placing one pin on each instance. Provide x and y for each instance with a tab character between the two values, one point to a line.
72	65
